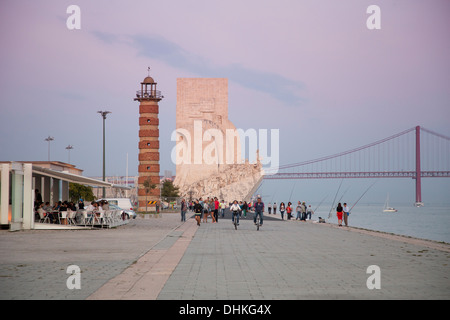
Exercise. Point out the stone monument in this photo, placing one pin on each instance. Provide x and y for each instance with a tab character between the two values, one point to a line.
208	149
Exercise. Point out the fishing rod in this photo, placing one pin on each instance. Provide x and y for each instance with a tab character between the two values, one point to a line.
362	195
343	194
332	204
271	200
320	203
293	187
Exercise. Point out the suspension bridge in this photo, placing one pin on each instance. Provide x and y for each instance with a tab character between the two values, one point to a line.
414	153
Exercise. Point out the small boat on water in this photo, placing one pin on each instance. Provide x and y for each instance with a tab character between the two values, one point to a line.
386	206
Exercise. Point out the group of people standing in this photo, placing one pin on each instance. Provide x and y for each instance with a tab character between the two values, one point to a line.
342	212
302	211
203	208
212	207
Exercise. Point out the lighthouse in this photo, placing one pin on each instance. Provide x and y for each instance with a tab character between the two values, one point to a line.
148	168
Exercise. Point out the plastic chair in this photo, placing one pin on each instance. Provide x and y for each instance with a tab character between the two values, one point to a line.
109	219
87	217
71	217
43	216
98	217
62	215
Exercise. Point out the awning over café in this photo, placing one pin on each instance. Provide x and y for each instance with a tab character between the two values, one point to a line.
69	177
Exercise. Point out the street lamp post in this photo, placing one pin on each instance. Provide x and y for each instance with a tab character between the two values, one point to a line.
69	147
49	139
103	114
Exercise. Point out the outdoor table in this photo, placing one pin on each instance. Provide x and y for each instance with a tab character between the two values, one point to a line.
54	216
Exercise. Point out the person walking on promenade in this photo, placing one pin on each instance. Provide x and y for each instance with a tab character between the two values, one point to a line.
269	207
245	209
289	210
298	209
235	212
282	209
183	210
346	214
259	209
222	207
198	210
216	209
303	206
339	213
309	212
274	208
241	208
211	208
204	211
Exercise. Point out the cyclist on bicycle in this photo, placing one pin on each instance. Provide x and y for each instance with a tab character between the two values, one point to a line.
198	209
235	211
259	209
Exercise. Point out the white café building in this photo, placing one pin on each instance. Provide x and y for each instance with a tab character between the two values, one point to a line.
19	180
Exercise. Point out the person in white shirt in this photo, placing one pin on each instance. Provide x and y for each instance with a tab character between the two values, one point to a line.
222	207
100	208
346	214
47	207
235	211
309	212
90	207
42	212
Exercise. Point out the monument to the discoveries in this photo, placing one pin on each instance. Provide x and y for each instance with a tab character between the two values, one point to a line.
208	149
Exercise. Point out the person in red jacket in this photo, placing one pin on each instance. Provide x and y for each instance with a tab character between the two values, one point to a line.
289	210
216	209
339	212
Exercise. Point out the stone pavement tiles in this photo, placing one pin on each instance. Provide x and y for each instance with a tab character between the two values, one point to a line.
33	264
303	260
284	260
145	278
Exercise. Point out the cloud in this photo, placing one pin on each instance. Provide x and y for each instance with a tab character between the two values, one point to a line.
281	88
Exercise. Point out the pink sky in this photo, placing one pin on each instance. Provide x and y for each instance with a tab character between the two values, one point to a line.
309	68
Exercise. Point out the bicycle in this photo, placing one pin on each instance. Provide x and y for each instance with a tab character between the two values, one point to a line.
235	219
258	221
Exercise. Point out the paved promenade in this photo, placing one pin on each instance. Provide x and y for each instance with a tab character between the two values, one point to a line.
161	258
305	260
33	264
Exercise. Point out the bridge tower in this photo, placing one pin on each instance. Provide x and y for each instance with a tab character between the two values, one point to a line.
418	176
148	169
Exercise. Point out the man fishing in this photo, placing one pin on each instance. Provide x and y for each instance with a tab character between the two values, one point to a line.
346	214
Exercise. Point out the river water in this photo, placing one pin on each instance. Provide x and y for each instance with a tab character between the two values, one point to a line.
428	222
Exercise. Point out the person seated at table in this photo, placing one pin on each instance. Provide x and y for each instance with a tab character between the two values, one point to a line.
41	211
91	210
91	207
47	207
72	206
100	207
63	206
96	209
105	205
63	212
56	206
54	212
